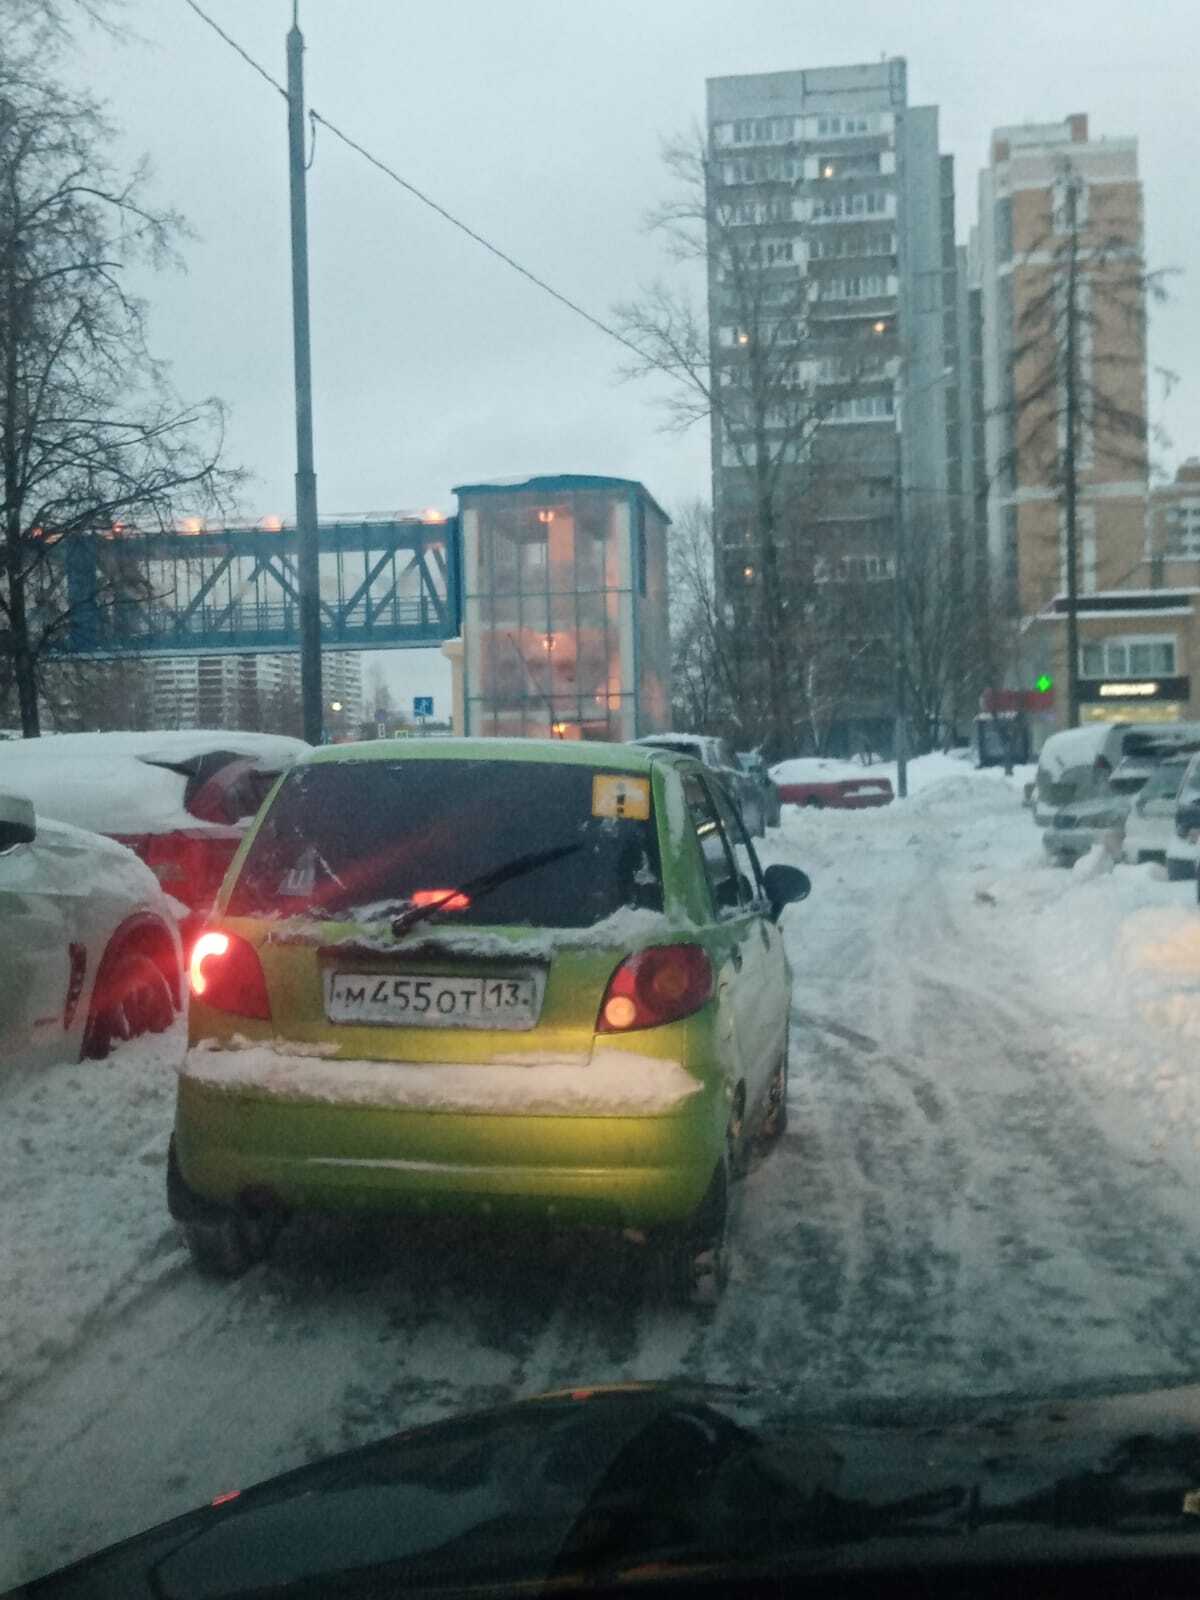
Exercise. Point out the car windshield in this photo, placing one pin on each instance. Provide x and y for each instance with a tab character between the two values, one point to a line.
1164	782
600	616
370	839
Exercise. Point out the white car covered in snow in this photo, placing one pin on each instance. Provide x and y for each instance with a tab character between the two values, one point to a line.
89	950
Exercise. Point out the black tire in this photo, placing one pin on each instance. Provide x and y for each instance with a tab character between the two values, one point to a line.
224	1243
1179	871
814	803
132	997
775	1115
693	1260
219	1249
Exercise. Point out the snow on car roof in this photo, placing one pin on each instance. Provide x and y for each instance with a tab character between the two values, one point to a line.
112	783
270	750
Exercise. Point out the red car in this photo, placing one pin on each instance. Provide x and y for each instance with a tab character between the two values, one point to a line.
815	782
181	800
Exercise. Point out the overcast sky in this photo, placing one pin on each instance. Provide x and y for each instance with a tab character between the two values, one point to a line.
540	123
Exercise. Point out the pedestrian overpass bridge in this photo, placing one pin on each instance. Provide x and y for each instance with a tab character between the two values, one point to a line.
386	583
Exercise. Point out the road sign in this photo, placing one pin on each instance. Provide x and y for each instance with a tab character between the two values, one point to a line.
422	705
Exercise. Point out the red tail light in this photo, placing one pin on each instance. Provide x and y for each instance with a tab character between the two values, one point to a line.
226	974
656	986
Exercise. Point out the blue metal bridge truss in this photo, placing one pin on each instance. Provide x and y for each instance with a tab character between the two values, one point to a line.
386	584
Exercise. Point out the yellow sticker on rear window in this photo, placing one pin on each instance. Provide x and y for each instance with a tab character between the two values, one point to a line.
615	795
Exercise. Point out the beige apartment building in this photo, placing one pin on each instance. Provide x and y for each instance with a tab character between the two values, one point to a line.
1136	600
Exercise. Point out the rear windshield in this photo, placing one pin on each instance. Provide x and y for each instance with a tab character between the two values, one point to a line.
1076	783
1163	783
366	837
681	747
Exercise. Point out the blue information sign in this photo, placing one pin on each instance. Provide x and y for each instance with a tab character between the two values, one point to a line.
422	705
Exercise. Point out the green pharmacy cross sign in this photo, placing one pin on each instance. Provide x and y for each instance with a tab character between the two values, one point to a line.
1044	684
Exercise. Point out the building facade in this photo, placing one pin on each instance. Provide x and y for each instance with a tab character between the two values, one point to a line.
1046	185
831	202
565	609
250	690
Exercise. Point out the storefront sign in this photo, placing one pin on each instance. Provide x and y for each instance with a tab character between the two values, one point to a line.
1128	691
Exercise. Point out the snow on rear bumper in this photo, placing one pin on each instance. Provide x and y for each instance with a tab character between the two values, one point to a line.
612	1083
583	1146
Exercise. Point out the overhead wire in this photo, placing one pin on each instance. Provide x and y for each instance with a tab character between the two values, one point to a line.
419	194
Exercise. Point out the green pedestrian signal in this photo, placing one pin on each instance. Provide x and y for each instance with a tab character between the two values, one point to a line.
1044	684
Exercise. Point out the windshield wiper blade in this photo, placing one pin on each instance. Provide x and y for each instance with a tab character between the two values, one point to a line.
474	888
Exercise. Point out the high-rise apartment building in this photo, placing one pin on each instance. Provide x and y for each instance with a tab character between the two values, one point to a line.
1039	174
250	690
847	210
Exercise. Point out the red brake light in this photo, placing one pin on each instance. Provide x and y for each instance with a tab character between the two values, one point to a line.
656	986
225	972
443	899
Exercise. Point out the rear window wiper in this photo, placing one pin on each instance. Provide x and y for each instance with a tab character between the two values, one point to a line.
475	888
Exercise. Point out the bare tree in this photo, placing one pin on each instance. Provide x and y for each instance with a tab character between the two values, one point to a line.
765	398
92	438
1077	359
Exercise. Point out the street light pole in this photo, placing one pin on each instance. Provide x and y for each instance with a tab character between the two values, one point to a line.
898	582
308	562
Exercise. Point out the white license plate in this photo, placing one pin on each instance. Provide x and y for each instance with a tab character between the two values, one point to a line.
407	1000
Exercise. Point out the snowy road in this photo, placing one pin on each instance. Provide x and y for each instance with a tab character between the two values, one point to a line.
988	1187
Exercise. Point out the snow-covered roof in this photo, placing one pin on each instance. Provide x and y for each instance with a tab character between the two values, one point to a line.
270	750
820	769
113	783
1076	747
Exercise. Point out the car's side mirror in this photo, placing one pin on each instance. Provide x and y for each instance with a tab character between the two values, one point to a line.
785	886
18	824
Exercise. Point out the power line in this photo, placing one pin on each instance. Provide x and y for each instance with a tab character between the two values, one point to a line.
418	194
234	45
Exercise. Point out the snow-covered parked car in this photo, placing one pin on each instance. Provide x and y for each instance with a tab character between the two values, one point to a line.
1088	779
89	950
1150	825
181	800
1183	846
817	781
720	757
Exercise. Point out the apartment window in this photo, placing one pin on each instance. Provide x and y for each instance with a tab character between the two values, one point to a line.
860	286
1128	656
862	408
841	127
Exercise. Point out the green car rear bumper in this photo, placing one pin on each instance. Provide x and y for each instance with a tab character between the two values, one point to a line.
625	1171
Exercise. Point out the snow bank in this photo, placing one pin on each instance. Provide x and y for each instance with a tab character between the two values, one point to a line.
611	1084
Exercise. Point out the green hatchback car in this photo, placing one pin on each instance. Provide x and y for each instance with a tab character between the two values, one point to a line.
503	978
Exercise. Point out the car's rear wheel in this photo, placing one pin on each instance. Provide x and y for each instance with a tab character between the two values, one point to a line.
1178	871
132	997
815	803
223	1242
693	1261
